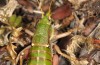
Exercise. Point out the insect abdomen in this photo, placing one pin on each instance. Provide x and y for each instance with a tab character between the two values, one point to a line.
40	56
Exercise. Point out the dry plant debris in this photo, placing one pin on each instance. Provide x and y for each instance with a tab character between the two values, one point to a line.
74	36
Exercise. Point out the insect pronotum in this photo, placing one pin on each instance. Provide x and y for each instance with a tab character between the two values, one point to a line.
40	52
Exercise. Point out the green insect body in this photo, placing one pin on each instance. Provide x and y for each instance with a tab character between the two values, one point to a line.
40	53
